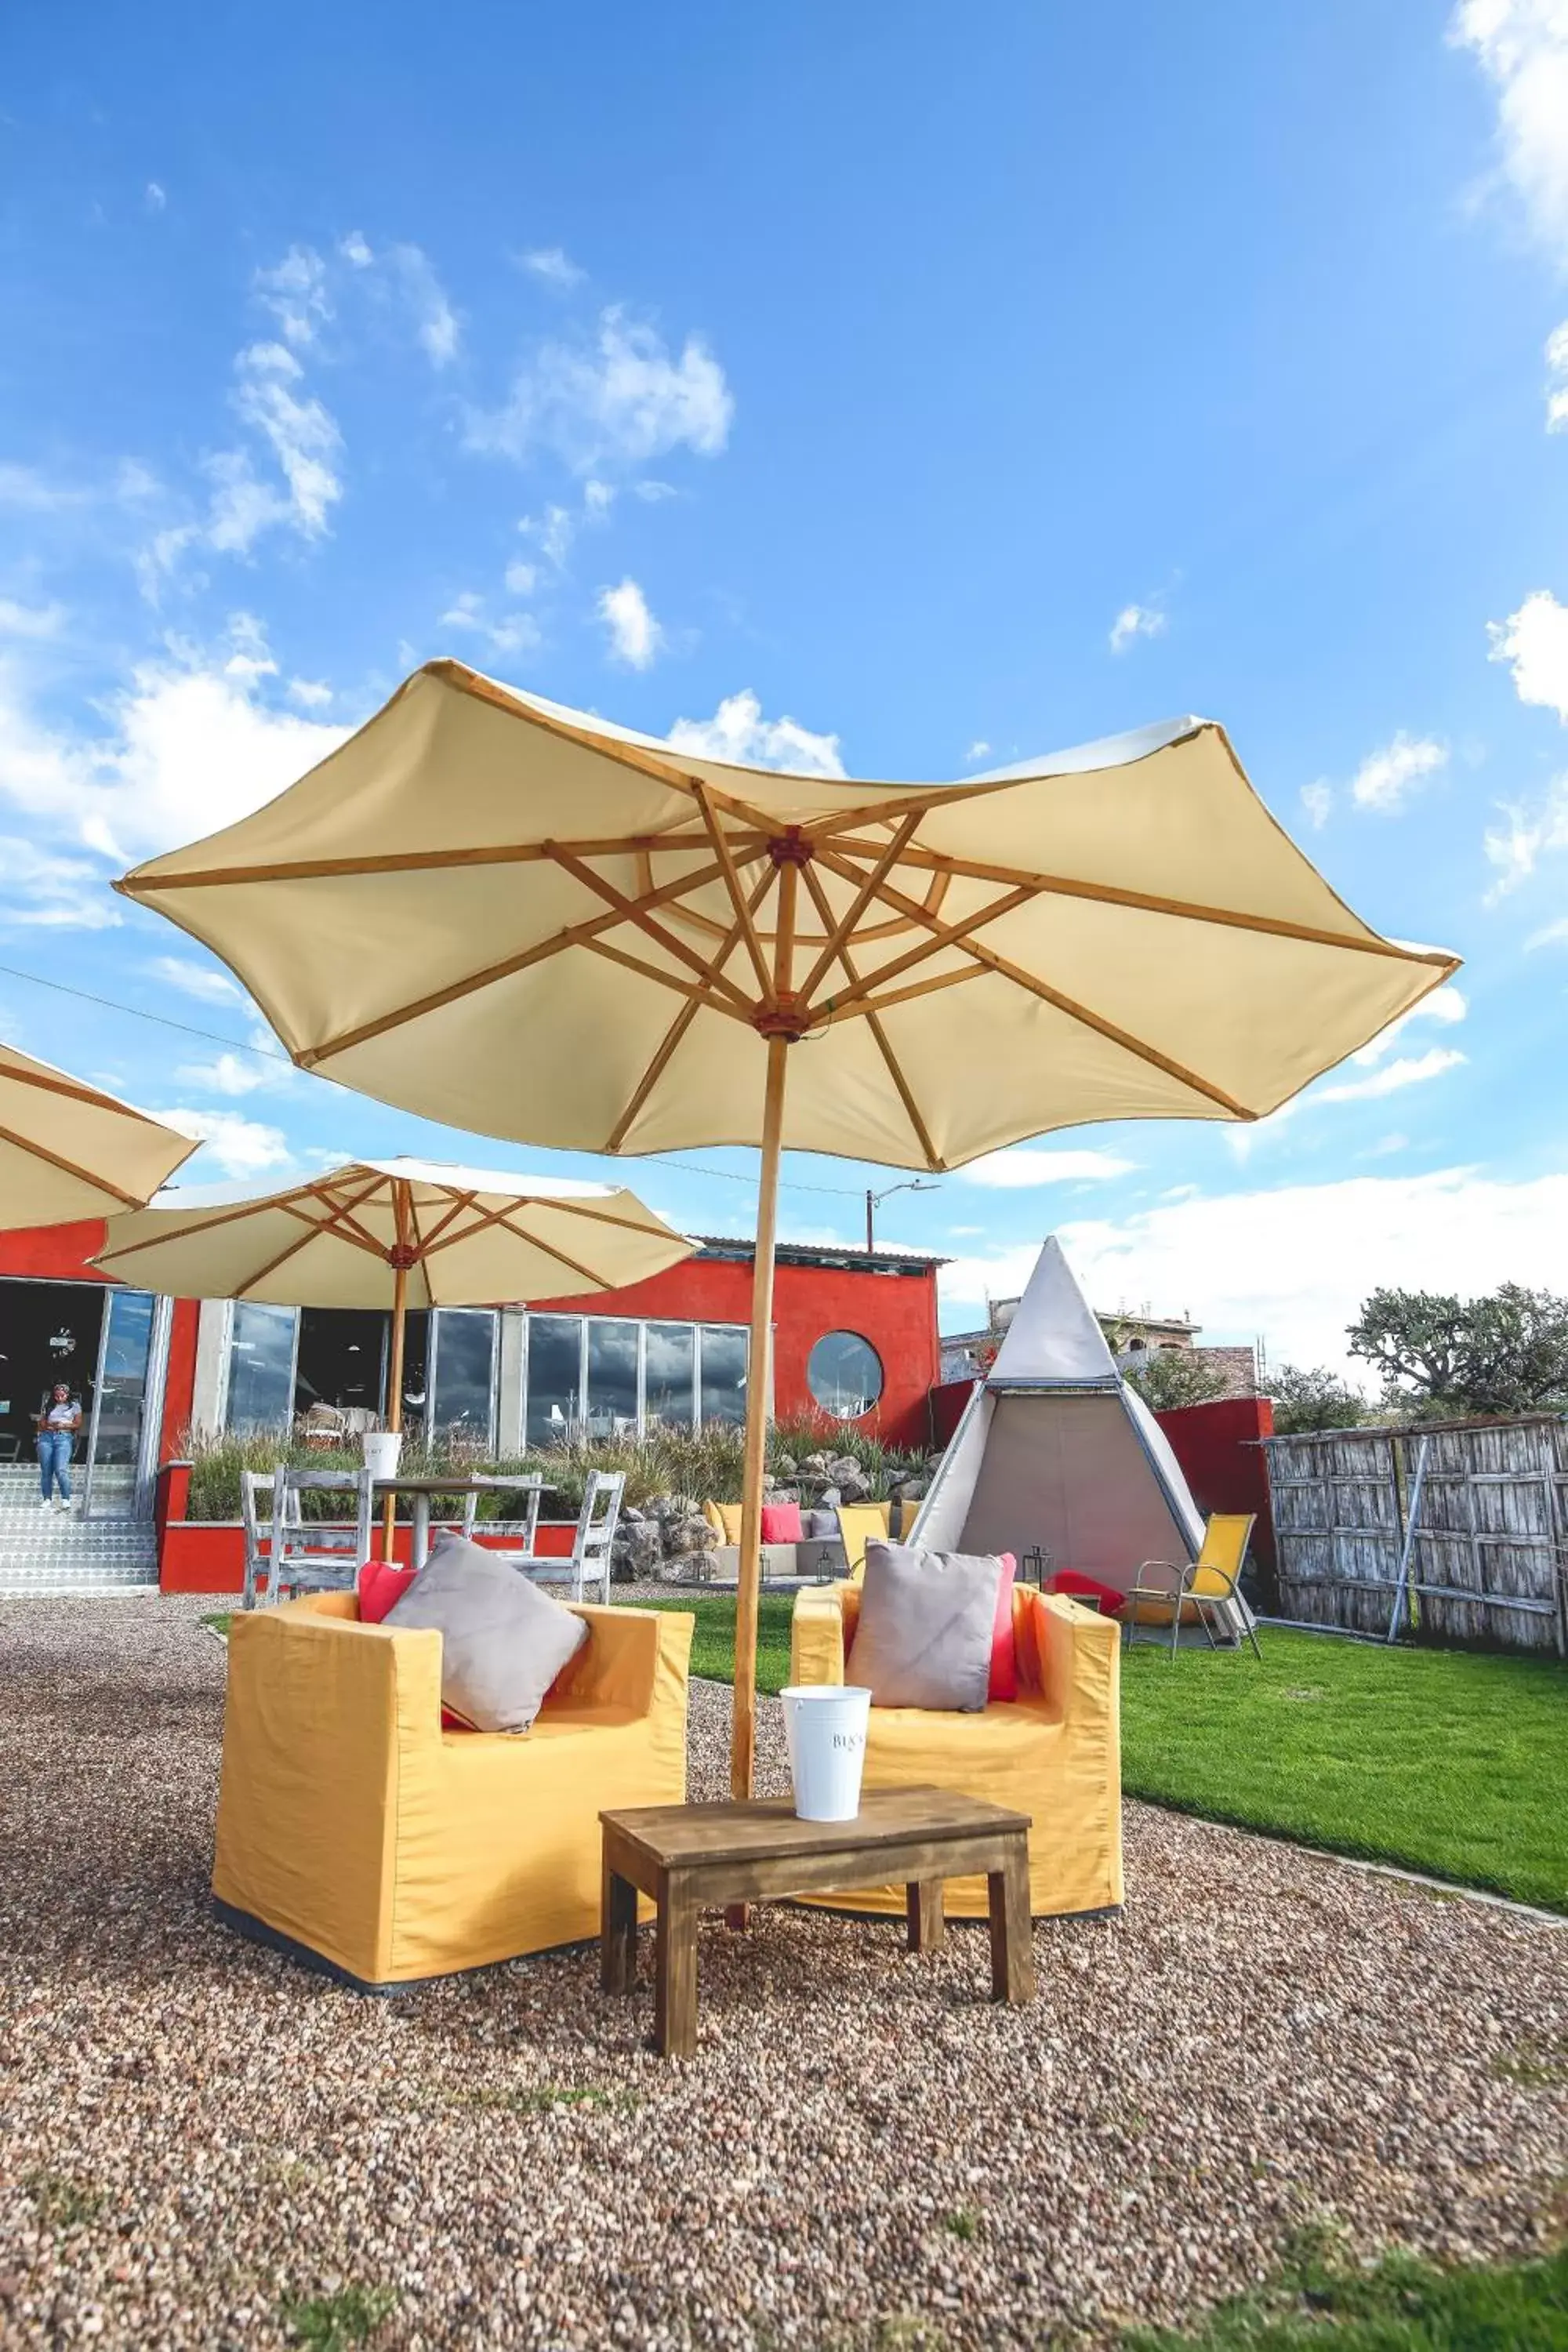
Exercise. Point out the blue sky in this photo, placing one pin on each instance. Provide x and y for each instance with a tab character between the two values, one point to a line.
890	387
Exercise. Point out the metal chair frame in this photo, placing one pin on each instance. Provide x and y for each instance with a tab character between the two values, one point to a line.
1182	1586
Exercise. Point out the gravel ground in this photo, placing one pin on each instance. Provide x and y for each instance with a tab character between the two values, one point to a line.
195	2134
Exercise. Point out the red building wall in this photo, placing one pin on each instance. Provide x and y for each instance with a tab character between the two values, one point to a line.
54	1252
896	1312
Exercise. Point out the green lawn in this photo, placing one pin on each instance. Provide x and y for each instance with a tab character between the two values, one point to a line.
1446	1762
1403	2306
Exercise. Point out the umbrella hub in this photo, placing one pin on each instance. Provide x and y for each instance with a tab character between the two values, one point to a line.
786	1017
403	1257
792	847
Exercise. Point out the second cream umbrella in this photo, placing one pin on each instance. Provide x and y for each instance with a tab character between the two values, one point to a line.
69	1150
394	1234
606	944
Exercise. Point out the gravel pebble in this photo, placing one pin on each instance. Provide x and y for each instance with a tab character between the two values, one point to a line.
195	2133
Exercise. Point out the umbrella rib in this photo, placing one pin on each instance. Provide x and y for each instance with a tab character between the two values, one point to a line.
521	1233
68	1167
634	910
574	935
678	1029
867	1007
75	1092
415	861
1149	902
1063	1003
716	835
460	1201
945	935
692	989
906	1093
838	932
207	1224
304	1241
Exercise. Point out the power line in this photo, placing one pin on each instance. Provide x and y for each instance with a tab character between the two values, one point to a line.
272	1054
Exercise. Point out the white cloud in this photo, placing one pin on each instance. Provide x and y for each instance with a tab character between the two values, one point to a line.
598	498
557	268
29	620
1385	1146
1411	1071
202	980
41	889
653	493
635	637
301	433
154	197
521	579
1534	642
1522	46
1529	831
1387	779
1446	1006
1557	380
1316	803
28	490
1295	1263
188	747
510	633
1135	620
977	750
613	404
434	320
310	693
295	291
355	250
1027	1165
242	1074
1551	935
738	732
237	1147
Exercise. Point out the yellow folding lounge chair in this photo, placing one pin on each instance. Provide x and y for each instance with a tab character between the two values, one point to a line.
1197	1591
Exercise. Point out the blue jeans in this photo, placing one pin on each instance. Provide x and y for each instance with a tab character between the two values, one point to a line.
53	1463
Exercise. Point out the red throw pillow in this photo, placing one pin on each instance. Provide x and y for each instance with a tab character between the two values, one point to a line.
781	1523
1073	1585
381	1585
1003	1683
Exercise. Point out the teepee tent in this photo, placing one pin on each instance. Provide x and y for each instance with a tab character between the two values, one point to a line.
1056	1453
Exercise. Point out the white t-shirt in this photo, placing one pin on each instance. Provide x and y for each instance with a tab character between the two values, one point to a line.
60	1416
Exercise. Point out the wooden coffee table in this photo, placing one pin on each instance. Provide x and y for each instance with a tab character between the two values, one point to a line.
690	1857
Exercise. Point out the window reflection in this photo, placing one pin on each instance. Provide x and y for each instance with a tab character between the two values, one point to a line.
123	1389
612	1379
463	1386
723	1374
260	1367
844	1373
669	1374
555	1360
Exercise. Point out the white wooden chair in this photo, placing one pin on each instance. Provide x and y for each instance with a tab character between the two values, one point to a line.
531	1489
285	1549
591	1544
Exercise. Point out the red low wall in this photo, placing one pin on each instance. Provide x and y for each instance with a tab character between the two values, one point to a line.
208	1555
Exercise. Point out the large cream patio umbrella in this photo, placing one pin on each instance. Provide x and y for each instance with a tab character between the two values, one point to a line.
70	1151
509	916
394	1234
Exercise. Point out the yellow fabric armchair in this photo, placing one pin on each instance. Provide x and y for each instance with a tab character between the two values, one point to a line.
1055	1752
350	1824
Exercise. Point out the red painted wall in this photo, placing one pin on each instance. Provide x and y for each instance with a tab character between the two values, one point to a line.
1227	1468
54	1252
202	1555
896	1312
180	1389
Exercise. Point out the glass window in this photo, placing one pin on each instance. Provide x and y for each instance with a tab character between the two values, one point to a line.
723	1373
554	1365
465	1367
844	1373
670	1370
612	1379
123	1389
260	1367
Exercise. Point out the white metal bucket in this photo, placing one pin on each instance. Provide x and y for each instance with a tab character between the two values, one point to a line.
382	1450
825	1726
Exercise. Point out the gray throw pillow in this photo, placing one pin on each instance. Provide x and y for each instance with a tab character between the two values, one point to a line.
821	1526
925	1629
503	1641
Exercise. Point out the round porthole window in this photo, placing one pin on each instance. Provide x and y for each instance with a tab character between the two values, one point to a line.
844	1373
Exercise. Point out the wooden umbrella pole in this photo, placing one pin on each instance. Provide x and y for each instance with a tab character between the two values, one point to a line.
394	1375
743	1723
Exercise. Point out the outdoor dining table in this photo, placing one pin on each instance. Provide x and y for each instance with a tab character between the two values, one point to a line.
423	1489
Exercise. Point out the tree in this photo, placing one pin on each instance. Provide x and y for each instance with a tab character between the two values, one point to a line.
1167	1377
1313	1399
1442	1355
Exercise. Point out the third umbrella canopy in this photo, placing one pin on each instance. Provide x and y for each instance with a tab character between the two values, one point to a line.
68	1149
509	916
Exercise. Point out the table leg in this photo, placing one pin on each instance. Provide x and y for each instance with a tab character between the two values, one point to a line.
1011	1950
618	1933
674	1985
927	1918
419	1538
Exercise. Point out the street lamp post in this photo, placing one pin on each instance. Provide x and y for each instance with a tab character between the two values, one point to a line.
915	1184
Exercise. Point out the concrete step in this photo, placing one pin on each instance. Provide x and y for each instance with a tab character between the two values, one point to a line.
59	1551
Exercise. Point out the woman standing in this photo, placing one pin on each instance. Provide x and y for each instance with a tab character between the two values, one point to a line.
58	1426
